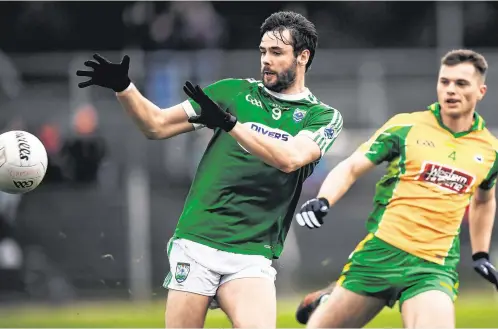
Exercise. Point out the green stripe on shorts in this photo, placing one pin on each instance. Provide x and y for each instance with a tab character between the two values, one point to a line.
168	277
381	270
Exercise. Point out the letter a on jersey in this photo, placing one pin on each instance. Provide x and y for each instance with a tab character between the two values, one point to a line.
452	155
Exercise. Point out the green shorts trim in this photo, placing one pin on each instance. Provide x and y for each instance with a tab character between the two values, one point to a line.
378	269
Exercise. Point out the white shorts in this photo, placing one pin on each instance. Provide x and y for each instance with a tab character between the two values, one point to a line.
200	269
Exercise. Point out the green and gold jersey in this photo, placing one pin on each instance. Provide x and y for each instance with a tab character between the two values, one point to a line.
431	175
238	203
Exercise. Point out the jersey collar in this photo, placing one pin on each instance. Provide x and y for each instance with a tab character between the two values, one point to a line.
477	124
289	97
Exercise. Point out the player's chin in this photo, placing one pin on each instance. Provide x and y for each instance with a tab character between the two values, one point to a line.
269	80
454	110
270	84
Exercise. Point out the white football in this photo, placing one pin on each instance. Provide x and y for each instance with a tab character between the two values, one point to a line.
23	162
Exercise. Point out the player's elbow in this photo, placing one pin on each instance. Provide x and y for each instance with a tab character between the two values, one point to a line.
159	128
287	169
297	160
290	165
151	134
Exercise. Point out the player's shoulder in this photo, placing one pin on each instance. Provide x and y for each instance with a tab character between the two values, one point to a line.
324	112
404	119
316	106
235	83
490	138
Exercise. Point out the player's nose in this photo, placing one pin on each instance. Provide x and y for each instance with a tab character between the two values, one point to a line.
450	88
265	60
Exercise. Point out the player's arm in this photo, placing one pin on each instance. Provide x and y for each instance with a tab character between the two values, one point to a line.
481	219
317	136
155	123
335	185
385	145
152	121
286	156
343	176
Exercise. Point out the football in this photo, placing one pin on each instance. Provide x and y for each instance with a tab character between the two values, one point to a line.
23	162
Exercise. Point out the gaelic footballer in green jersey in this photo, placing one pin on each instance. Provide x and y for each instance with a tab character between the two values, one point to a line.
268	137
235	189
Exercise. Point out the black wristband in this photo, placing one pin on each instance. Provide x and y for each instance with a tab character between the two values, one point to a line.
480	255
324	200
230	122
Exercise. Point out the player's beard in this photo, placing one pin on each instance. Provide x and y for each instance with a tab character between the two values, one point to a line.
284	79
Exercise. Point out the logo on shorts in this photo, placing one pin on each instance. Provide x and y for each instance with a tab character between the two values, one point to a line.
182	271
449	178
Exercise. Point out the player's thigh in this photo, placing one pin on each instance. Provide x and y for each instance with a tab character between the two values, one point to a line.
185	309
249	302
191	287
429	309
345	309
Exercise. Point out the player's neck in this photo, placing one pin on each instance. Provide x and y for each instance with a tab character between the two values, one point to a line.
297	87
458	125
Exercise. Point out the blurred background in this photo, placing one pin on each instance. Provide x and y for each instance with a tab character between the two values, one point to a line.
96	230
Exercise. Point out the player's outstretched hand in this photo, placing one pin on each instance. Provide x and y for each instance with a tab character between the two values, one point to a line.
312	212
106	74
212	116
483	266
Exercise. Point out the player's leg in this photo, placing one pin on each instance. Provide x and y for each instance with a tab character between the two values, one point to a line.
345	309
249	302
247	295
364	288
311	301
430	309
428	302
185	309
191	286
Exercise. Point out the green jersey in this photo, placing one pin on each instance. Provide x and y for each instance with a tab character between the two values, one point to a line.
238	203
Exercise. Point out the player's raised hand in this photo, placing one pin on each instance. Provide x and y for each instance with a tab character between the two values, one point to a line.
212	116
483	266
106	74
312	212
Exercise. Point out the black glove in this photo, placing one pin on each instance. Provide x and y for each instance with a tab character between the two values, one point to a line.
312	213
483	266
106	74
212	116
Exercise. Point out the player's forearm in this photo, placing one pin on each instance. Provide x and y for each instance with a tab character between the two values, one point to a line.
481	220
343	176
276	153
144	113
337	183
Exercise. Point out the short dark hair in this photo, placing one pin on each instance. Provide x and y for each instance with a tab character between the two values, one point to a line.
302	31
460	56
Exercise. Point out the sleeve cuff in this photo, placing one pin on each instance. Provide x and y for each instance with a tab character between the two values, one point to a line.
311	136
187	107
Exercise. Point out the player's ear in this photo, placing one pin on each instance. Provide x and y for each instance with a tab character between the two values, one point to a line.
303	57
482	91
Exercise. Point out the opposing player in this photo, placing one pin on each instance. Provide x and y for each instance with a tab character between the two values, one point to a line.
439	161
268	137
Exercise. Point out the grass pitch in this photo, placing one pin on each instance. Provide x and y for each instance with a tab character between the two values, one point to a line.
473	311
